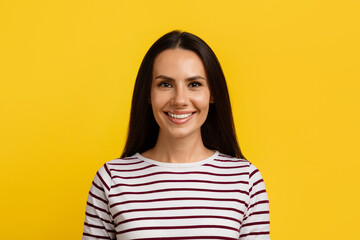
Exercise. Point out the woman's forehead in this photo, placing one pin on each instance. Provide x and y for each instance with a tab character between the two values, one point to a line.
178	62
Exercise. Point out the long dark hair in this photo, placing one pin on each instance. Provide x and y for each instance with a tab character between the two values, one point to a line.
218	131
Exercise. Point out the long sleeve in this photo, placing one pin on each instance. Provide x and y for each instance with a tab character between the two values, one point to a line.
256	223
99	223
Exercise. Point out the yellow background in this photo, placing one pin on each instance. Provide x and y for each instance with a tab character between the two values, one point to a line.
67	71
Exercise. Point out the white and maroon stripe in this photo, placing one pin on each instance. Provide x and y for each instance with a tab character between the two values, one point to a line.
136	198
256	223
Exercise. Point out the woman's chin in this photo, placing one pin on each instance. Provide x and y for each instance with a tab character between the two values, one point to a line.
180	133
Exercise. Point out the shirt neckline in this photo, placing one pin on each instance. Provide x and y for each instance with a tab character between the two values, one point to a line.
178	165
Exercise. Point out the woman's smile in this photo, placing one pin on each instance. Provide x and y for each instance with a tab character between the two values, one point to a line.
179	118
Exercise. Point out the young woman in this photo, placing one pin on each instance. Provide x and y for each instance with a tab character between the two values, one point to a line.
182	174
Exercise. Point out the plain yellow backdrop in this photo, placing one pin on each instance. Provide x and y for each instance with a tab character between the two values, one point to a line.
67	71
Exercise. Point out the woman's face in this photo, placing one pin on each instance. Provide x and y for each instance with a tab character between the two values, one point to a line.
180	94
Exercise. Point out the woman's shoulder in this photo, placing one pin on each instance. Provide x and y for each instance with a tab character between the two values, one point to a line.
230	160
123	160
117	163
222	157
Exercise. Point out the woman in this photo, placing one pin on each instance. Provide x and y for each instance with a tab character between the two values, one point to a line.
182	174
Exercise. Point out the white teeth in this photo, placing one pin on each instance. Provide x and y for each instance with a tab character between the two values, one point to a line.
179	116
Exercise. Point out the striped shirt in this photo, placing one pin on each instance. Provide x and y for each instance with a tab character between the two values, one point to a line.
220	197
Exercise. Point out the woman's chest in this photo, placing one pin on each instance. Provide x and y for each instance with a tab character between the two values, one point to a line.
185	205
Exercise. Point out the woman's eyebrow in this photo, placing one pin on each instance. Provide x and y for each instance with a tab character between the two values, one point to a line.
187	79
194	78
164	77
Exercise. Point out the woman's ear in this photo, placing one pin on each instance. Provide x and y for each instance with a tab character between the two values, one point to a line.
212	100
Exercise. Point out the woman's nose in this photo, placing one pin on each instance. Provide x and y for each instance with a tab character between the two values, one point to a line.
180	97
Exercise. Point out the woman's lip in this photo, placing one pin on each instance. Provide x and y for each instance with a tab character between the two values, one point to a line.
180	112
179	121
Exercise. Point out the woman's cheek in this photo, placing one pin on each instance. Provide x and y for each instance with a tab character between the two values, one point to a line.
202	100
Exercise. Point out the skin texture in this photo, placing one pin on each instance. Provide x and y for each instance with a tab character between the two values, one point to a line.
179	86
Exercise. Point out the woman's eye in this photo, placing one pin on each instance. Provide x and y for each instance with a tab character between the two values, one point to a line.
195	84
164	84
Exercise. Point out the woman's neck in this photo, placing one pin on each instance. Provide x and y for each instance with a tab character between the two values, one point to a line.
179	150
